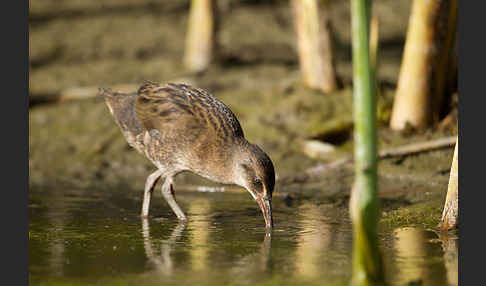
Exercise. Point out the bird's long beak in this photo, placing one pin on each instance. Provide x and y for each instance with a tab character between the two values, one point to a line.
266	207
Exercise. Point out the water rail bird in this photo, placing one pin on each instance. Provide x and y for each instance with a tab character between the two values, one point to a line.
183	128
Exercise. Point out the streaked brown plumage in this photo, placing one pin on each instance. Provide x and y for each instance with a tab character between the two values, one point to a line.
182	128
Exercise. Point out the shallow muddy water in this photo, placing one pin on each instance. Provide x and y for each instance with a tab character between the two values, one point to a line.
95	237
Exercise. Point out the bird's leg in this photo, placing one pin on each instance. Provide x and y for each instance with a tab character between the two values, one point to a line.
168	193
147	194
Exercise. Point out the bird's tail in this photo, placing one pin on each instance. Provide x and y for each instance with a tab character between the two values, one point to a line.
106	92
109	93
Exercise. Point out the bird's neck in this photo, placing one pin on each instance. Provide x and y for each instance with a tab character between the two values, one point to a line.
240	155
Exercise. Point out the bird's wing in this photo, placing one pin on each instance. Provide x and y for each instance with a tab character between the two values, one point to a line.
159	108
178	107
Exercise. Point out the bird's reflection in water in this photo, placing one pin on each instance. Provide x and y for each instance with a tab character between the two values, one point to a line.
163	261
255	264
198	231
265	251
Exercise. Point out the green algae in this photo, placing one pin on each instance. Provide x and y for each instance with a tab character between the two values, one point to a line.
420	215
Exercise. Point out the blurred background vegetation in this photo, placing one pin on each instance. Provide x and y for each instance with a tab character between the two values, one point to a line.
78	46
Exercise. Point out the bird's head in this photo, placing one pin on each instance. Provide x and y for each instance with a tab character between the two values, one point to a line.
255	172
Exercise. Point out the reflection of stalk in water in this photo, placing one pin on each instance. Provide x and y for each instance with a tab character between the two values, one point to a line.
414	250
449	245
199	238
409	245
314	238
164	262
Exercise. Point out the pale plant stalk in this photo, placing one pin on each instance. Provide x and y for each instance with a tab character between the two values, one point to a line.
451	207
200	37
314	45
412	98
427	64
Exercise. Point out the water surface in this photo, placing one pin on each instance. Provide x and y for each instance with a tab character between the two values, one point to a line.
95	237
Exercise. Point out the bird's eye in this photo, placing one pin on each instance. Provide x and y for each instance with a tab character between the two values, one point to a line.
258	181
